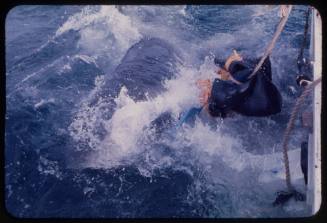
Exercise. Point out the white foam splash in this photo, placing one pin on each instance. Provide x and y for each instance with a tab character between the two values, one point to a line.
130	117
104	31
82	128
44	101
127	124
126	127
229	149
49	167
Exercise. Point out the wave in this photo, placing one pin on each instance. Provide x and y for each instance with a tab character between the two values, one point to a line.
109	114
112	31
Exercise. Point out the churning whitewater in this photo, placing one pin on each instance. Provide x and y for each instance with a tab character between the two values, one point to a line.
92	95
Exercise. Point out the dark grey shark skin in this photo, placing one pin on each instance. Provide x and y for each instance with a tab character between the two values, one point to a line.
143	70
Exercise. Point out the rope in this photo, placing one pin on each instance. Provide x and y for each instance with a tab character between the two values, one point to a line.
290	126
271	45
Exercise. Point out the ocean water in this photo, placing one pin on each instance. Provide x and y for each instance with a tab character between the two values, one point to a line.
91	92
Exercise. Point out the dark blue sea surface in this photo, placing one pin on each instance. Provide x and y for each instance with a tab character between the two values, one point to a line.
92	93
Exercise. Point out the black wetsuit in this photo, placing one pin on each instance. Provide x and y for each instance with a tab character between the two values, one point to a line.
255	97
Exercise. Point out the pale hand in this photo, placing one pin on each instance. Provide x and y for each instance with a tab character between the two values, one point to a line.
223	74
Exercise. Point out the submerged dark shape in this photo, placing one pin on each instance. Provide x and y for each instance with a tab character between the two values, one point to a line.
146	65
284	196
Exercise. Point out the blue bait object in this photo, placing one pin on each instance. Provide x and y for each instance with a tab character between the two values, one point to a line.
185	117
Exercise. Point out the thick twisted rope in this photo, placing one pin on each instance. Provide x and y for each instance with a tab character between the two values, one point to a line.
271	45
290	125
